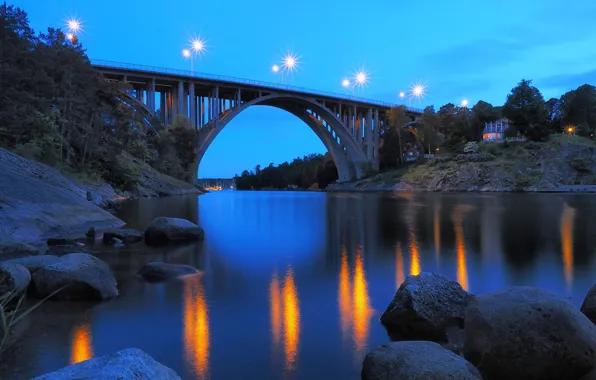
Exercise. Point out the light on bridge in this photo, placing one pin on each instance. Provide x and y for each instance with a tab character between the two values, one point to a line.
418	91
73	25
361	78
290	62
464	103
402	95
346	83
197	45
70	37
186	53
275	68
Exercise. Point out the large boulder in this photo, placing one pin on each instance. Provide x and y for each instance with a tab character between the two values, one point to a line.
126	236
156	271
528	333
163	230
127	364
589	305
35	262
14	280
416	360
427	307
84	277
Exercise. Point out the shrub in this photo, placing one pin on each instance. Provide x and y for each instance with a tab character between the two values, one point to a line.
471	147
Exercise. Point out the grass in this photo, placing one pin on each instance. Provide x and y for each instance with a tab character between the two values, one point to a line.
8	319
573	140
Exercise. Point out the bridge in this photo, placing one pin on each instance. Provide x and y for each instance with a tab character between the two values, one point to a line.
348	126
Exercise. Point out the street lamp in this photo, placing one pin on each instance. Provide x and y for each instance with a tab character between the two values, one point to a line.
74	26
289	64
417	91
464	103
346	83
402	95
360	79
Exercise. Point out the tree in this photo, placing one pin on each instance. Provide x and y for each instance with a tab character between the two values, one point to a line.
525	108
398	119
482	113
579	109
554	110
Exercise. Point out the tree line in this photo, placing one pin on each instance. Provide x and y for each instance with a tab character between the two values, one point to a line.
451	127
57	109
301	173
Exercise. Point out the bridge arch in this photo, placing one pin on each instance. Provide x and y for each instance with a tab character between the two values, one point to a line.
349	158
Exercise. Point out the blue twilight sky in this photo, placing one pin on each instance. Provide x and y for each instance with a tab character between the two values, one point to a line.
460	49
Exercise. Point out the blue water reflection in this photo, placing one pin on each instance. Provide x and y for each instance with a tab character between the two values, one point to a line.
292	283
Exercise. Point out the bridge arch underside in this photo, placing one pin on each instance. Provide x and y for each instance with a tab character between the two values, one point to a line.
346	154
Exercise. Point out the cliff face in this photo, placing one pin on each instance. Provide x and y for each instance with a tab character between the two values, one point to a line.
557	165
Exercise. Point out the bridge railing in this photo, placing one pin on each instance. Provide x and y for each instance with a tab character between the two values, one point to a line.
224	78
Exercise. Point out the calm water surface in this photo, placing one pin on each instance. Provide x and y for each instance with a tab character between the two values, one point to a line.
293	283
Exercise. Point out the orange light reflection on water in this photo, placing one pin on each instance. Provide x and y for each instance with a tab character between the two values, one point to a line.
291	321
196	326
414	254
460	247
567	219
344	298
275	299
82	347
362	309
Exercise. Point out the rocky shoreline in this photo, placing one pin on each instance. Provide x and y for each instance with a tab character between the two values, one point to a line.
554	166
38	202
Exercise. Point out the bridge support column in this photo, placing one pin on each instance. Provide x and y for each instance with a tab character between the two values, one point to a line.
193	105
368	134
217	110
181	98
151	95
162	107
376	138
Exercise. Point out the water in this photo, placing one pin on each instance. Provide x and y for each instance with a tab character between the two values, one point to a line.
293	283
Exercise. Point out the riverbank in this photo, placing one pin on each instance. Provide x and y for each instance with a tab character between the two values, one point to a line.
38	202
559	165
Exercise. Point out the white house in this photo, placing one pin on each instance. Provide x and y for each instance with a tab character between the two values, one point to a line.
494	130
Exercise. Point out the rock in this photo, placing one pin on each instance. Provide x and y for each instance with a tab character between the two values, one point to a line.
163	230
426	307
127	364
416	360
14	279
37	201
86	278
117	242
589	305
528	333
35	262
156	271
126	236
94	197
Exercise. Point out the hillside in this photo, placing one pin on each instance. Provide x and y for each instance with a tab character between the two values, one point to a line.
561	164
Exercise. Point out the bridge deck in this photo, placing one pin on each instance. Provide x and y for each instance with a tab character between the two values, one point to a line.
166	78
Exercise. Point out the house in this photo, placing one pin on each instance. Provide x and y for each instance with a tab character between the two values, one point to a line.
494	131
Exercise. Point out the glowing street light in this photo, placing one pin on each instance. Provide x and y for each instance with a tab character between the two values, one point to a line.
289	64
345	83
197	45
418	91
402	95
186	53
275	68
73	25
70	37
464	103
